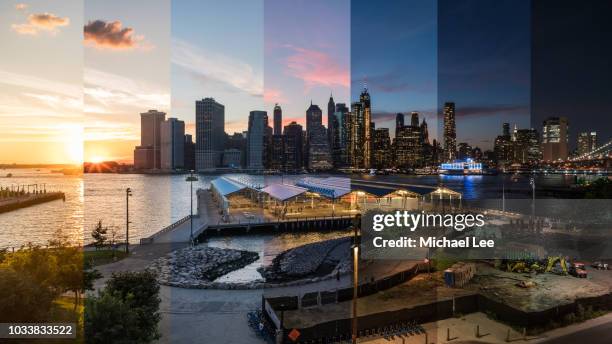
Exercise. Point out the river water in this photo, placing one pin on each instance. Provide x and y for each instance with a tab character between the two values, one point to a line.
159	200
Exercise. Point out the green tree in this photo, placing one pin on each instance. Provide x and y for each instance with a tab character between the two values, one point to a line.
126	311
22	299
99	234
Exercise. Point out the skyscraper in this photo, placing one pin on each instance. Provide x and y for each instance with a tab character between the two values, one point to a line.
314	117
340	135
506	129
331	109
526	146
399	122
258	122
450	133
172	144
586	142
414	119
366	107
293	147
555	138
148	154
210	133
278	120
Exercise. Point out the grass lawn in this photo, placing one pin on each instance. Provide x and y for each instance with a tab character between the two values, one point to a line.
101	257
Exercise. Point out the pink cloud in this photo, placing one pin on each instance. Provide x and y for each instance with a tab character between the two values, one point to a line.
316	68
272	95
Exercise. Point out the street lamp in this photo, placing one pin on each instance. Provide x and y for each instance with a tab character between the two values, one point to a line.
532	183
191	178
128	194
356	227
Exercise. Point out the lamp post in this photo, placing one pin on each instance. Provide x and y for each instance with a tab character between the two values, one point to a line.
191	179
532	183
128	194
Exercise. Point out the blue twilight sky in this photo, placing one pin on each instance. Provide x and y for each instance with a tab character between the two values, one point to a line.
217	51
484	66
393	52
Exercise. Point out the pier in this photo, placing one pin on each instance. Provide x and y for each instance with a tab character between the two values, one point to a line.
28	199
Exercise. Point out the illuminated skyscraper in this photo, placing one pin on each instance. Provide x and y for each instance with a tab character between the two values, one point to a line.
414	119
555	138
586	142
278	120
381	148
366	107
450	133
361	132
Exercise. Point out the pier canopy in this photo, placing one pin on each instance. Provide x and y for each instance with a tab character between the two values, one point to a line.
225	186
444	192
283	192
330	187
390	190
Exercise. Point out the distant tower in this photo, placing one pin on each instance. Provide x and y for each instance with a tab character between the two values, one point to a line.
148	154
278	120
424	132
331	109
450	132
414	119
366	107
506	129
555	138
258	122
399	123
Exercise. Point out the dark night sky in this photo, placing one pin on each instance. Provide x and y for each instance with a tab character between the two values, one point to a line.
572	64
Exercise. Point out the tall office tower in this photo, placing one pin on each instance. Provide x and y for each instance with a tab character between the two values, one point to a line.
258	122
148	154
526	146
331	109
506	129
414	119
381	148
356	136
339	135
424	132
477	154
464	150
293	147
399	122
314	117
278	120
189	158
210	133
172	144
555	138
450	132
364	99
586	142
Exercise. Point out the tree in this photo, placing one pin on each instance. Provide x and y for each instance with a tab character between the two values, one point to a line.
126	311
22	299
99	234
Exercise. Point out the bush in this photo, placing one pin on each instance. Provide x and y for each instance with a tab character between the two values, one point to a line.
126	311
22	299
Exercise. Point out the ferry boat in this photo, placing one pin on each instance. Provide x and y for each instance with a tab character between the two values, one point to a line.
464	167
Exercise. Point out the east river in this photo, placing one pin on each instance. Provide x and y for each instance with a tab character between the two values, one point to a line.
159	200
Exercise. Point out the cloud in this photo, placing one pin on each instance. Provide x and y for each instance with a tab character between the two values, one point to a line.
112	35
40	84
272	95
110	93
208	65
315	68
393	82
21	7
41	22
490	110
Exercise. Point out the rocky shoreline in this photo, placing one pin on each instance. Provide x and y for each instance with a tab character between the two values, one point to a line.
310	262
200	266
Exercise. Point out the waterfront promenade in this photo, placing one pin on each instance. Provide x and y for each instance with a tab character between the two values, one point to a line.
27	200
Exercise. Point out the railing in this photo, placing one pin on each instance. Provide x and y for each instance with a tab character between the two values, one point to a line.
166	229
272	221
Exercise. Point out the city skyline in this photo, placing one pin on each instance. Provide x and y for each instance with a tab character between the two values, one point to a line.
81	100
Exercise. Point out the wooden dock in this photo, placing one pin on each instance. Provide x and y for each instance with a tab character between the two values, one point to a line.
28	200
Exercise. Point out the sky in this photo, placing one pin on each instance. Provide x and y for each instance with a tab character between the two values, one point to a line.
484	66
41	82
307	56
217	51
572	65
394	53
75	75
126	72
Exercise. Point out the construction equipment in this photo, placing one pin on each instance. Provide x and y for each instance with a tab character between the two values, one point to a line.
552	265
